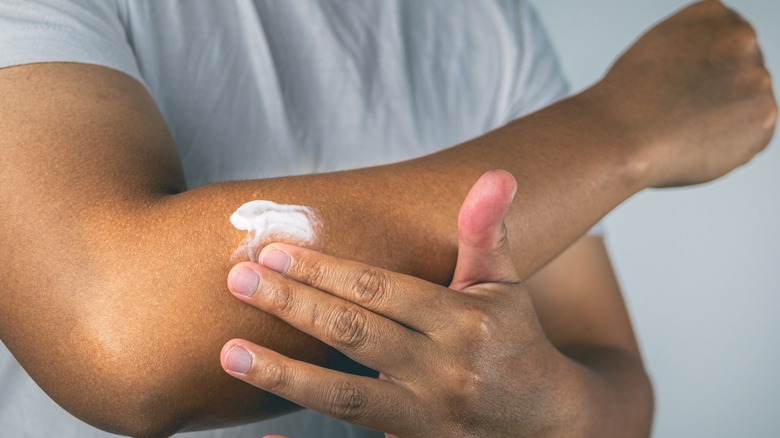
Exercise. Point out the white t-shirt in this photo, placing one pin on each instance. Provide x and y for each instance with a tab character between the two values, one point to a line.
255	89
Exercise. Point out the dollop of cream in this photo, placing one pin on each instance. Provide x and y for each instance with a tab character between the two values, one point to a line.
267	221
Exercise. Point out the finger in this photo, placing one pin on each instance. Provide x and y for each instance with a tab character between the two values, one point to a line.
410	301
364	336
483	247
378	404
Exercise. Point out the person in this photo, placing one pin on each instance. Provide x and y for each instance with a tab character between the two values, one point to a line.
132	130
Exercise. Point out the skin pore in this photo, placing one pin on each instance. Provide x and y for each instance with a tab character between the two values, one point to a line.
120	309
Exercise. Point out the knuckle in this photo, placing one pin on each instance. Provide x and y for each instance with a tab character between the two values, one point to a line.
477	326
751	81
736	43
488	326
274	375
466	384
485	331
313	272
471	384
345	401
745	38
281	298
761	112
771	113
369	287
748	37
764	80
484	325
349	328
729	14
706	8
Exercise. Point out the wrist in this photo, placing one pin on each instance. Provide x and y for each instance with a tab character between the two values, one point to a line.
630	147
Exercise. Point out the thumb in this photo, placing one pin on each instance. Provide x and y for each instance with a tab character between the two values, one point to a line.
483	247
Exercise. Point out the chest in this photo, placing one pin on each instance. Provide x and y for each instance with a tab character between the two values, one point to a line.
261	89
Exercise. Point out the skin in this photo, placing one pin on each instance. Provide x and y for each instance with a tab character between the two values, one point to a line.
116	285
466	340
433	329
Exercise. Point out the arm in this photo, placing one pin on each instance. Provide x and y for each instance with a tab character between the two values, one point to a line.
579	304
471	360
111	266
125	270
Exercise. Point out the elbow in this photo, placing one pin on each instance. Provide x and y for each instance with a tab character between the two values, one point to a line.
636	398
141	415
646	403
634	394
619	399
132	350
131	420
151	375
124	393
113	368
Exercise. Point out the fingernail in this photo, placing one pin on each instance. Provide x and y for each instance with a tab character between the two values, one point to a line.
243	281
238	360
276	260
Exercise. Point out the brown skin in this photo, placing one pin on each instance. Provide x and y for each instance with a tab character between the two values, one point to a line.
471	360
603	394
113	292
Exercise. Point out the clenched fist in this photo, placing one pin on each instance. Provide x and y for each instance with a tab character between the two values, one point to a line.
694	94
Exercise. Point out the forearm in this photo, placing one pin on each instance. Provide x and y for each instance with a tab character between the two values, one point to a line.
572	164
572	167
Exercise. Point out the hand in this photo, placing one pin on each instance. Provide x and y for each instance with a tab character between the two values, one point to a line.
694	88
470	360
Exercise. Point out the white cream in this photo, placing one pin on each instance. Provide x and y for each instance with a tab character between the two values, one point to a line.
267	221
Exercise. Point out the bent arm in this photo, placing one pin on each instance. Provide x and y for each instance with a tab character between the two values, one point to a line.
111	264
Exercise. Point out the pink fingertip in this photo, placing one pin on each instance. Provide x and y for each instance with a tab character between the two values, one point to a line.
238	360
276	260
243	280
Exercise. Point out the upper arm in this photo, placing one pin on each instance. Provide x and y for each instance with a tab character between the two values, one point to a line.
113	294
81	147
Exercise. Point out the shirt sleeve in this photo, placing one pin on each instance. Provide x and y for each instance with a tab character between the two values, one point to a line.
540	80
85	31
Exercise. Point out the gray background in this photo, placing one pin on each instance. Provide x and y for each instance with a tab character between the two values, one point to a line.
700	266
